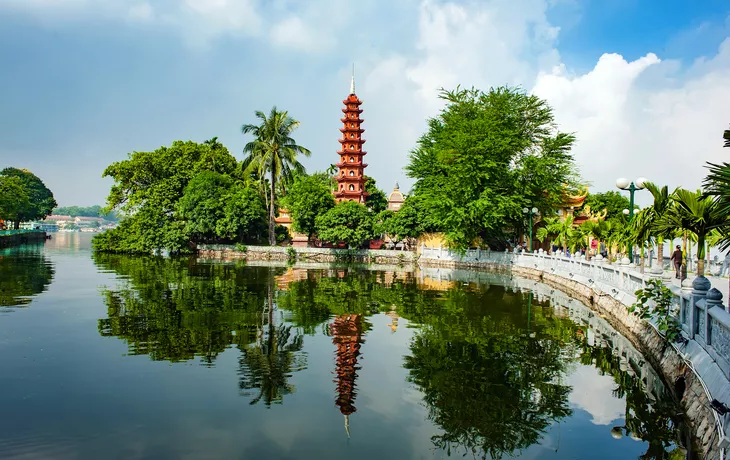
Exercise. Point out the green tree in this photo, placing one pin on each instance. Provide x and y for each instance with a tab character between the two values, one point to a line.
697	213
147	189
484	158
309	196
376	200
201	204
13	199
559	230
274	152
349	222
40	199
405	223
244	215
613	202
24	272
645	223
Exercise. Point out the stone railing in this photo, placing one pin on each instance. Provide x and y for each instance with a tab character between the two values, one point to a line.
699	307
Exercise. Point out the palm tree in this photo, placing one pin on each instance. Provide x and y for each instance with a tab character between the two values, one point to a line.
697	213
662	202
561	231
274	152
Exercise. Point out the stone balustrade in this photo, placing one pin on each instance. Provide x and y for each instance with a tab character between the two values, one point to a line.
699	307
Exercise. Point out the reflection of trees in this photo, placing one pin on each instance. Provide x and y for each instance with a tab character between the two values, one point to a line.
655	420
24	272
491	388
267	365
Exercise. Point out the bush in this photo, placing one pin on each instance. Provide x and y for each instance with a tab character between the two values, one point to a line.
241	248
291	254
655	302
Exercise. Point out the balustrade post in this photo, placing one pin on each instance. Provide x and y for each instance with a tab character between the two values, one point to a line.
713	299
700	286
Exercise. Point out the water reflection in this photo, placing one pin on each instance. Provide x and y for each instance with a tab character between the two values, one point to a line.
492	359
24	272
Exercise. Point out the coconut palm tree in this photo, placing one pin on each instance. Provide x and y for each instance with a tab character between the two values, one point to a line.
560	231
662	202
273	152
697	213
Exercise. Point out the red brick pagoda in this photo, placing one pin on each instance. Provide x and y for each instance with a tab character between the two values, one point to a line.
351	177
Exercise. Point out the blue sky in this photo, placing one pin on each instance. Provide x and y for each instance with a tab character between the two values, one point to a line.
645	88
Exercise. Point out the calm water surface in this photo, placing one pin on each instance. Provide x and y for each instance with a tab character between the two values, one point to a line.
111	357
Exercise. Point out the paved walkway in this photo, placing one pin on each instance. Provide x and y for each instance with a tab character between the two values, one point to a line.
720	283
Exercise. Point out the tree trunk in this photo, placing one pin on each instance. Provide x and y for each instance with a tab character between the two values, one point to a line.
700	255
272	213
660	253
17	225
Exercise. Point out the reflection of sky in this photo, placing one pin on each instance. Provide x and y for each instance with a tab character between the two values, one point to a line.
592	393
69	393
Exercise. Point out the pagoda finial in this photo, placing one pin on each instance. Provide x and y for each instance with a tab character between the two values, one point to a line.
352	80
396	186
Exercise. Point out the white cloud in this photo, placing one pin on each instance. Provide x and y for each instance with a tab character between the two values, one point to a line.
592	392
648	117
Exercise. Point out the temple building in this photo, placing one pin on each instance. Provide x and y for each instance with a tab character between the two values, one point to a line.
347	331
395	199
351	177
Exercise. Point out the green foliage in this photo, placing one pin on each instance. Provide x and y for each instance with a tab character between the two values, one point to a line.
243	214
147	189
273	152
201	204
612	201
654	302
13	199
560	231
376	200
405	223
240	247
291	254
282	234
484	158
81	211
726	136
348	222
40	201
697	213
307	198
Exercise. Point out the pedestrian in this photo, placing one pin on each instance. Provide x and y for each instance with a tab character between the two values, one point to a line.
676	259
725	264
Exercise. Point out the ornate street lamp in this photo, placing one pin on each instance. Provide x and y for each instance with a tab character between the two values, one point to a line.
530	213
625	184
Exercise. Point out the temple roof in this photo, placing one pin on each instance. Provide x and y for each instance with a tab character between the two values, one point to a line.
396	196
571	199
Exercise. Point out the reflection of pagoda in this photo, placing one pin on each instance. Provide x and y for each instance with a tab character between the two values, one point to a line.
346	333
351	178
393	318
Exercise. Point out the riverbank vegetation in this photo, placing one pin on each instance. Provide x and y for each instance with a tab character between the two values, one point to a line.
23	197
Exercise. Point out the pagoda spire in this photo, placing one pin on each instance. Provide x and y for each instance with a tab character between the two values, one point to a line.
352	80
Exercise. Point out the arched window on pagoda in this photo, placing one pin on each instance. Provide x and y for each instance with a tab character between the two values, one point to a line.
352	147
352	136
352	188
343	173
352	159
352	173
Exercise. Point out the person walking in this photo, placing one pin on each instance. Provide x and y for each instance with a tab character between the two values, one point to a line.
676	259
725	264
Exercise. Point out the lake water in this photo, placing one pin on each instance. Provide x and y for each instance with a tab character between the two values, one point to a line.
113	357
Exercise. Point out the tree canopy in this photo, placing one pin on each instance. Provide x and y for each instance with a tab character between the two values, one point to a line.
147	189
309	196
376	200
36	201
612	201
484	158
348	222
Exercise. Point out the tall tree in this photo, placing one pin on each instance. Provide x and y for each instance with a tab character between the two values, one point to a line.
309	197
13	199
348	222
646	222
274	152
613	202
40	199
376	200
697	213
484	158
147	189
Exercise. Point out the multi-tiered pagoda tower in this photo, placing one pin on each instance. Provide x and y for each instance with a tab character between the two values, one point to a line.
351	176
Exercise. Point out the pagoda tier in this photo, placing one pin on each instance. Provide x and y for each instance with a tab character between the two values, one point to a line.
351	177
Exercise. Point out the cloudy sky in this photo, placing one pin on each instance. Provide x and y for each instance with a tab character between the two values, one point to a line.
645	88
